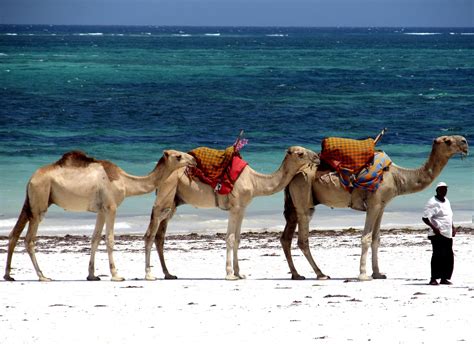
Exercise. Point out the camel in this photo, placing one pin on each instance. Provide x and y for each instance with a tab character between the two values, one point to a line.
77	182
312	187
250	184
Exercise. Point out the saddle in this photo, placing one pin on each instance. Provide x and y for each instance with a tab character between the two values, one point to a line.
356	161
217	168
347	155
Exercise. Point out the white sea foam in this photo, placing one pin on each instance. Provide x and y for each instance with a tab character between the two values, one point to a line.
422	33
277	35
212	34
182	35
11	34
467	33
3	54
90	34
63	226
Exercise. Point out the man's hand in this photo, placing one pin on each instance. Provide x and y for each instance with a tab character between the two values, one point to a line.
428	222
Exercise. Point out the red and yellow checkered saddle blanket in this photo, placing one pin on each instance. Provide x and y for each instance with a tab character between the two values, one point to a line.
347	154
217	168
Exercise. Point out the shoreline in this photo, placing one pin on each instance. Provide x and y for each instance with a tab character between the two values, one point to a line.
351	231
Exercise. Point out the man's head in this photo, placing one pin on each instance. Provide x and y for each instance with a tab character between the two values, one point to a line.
441	189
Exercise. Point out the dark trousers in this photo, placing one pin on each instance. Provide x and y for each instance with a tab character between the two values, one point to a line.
442	261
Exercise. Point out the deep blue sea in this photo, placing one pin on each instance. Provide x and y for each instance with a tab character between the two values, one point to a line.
125	93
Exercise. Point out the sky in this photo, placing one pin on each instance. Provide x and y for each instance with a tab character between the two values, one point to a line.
316	13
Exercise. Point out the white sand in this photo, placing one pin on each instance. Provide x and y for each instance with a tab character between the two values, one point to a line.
267	307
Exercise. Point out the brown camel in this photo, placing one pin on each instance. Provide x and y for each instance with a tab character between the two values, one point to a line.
250	184
77	182
322	187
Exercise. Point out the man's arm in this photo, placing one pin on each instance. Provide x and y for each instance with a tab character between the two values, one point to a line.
433	227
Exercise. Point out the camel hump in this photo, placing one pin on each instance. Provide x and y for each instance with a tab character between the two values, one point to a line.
75	159
80	159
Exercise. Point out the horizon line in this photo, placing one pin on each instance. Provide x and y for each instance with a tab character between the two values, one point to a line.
253	26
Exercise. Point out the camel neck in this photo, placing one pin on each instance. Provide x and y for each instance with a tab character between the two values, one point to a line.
140	185
268	184
414	180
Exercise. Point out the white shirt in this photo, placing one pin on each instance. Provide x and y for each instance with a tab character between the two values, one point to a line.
441	215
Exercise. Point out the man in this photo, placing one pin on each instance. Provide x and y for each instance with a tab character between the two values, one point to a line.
438	215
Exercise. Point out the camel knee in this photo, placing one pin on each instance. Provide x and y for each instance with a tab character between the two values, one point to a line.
303	245
366	240
375	243
14	235
29	244
230	240
285	241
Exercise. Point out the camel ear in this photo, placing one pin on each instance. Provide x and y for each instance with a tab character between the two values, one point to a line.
448	141
178	157
166	154
437	140
300	154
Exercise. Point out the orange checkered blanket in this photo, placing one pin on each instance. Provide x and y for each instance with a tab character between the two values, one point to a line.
217	168
347	155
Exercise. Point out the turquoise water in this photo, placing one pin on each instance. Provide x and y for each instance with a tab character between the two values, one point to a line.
126	93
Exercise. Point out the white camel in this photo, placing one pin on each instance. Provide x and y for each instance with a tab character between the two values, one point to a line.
77	182
250	184
313	187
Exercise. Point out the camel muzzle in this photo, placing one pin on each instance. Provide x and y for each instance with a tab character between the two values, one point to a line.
315	159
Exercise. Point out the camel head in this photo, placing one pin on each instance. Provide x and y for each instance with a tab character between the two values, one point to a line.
301	157
447	146
176	159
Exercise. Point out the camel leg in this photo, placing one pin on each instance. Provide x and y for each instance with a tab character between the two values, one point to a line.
99	226
109	241
232	241
157	215
30	240
375	248
366	240
159	243
12	241
238	228
303	242
286	238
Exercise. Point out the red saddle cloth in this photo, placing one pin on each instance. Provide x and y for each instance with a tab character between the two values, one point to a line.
217	168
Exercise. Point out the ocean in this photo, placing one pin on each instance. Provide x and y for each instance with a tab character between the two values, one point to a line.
126	93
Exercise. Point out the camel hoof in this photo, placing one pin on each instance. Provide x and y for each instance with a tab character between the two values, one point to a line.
45	279
364	277
150	278
170	277
231	278
323	277
93	278
379	276
297	277
8	278
117	279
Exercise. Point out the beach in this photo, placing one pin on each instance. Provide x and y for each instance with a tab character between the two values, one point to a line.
201	306
127	93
